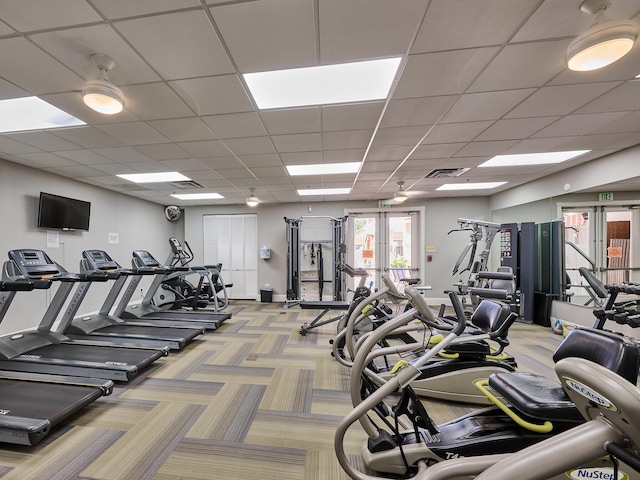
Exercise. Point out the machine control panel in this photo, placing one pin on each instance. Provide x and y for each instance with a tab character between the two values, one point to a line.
34	263
145	259
100	260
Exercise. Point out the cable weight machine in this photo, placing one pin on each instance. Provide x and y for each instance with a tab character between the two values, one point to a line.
295	258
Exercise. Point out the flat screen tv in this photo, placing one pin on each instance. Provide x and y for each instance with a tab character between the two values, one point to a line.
62	213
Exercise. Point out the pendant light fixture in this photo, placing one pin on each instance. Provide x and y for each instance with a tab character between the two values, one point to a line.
605	42
400	195
252	200
100	94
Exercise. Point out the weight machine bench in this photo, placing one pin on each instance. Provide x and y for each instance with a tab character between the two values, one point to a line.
326	307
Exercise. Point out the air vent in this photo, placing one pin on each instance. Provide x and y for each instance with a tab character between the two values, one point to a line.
446	172
185	185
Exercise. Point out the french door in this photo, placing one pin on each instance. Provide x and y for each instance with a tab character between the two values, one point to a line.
603	239
386	241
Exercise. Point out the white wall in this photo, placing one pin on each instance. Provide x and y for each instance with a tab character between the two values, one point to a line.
138	223
441	216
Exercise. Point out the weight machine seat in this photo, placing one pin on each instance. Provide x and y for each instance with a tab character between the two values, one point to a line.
324	305
539	397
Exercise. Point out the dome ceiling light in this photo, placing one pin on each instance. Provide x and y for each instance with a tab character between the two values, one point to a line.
100	94
400	195
252	200
605	42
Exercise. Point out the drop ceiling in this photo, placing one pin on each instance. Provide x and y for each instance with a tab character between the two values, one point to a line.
477	79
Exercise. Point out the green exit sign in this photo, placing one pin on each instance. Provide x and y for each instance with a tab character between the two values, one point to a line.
383	204
606	196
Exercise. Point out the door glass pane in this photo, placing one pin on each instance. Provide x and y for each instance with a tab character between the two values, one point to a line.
364	245
578	250
399	248
618	246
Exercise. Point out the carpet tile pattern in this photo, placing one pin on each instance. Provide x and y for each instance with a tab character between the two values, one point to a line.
252	400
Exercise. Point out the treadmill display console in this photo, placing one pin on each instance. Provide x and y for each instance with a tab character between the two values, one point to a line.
100	260
33	263
146	258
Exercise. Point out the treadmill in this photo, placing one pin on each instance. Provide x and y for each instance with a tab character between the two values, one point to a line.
145	264
105	327
42	350
32	404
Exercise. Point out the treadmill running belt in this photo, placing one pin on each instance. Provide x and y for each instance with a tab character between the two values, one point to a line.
90	353
50	401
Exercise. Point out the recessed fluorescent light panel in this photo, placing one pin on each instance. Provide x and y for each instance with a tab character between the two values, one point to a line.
324	191
470	186
323	168
197	196
532	158
322	85
157	177
32	113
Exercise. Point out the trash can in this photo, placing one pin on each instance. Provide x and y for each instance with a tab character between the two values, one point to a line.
266	295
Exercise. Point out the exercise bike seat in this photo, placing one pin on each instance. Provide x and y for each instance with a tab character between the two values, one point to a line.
541	398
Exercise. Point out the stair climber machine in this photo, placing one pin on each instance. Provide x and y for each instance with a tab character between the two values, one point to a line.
43	350
31	404
177	292
528	409
450	374
106	327
143	263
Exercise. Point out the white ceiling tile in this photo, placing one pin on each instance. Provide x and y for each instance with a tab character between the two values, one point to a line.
384	153
88	137
560	100
33	70
480	149
351	117
523	66
74	171
515	128
302	158
195	49
472	107
221	163
9	90
250	146
346	140
446	73
366	29
622	98
297	143
134	133
184	165
266	160
628	123
266	172
578	124
183	129
31	15
46	159
74	47
453	24
122	154
399	136
162	151
84	157
214	95
205	148
271	35
43	141
416	111
127	8
347	155
456	132
442	150
153	101
295	120
236	125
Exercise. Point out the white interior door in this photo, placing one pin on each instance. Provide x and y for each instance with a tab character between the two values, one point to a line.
233	241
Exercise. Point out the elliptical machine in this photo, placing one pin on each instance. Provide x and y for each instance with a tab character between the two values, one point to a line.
408	441
176	292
